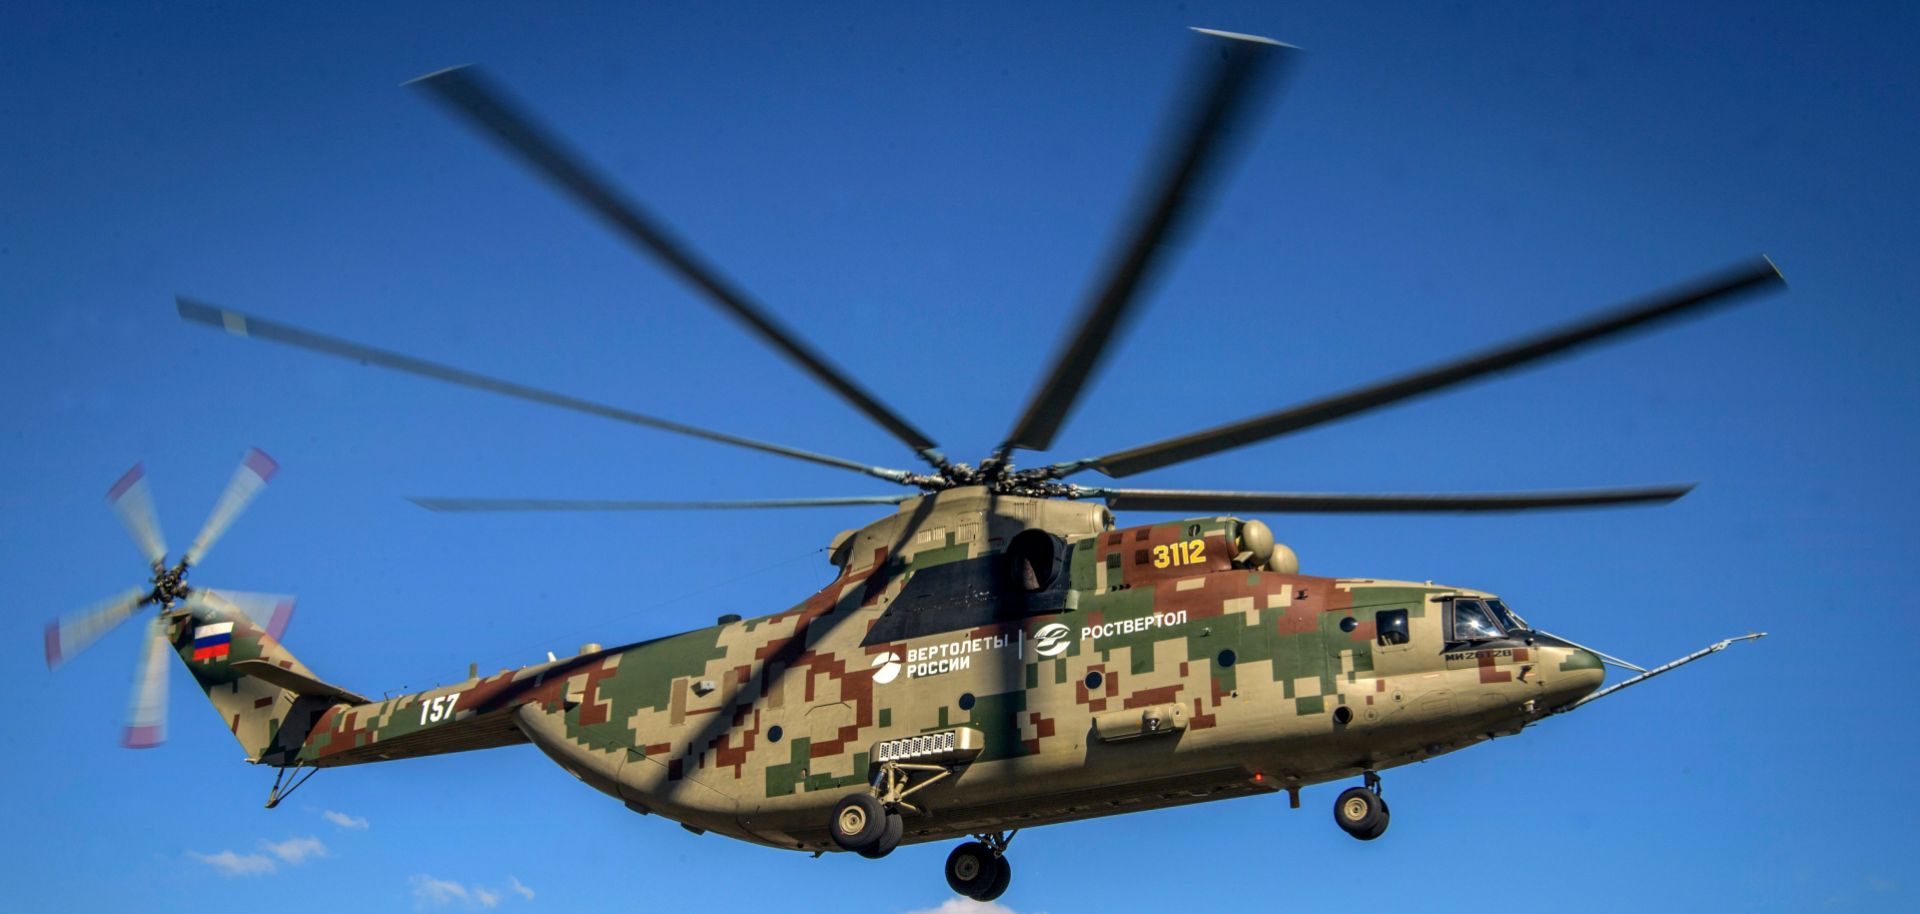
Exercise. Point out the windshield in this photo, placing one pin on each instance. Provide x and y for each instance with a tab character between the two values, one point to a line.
1471	622
1511	622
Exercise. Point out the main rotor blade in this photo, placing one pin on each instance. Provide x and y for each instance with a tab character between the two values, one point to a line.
241	324
132	501
560	504
466	92
1345	503
251	476
240	606
72	634
1716	290
1228	79
147	710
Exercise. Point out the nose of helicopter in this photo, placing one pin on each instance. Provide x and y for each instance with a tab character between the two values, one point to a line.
1573	673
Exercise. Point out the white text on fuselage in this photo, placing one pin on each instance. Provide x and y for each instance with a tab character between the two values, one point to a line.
1050	641
951	656
1133	626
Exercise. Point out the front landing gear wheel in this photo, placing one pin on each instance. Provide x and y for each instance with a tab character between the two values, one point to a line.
1361	813
859	822
889	838
973	869
1386	815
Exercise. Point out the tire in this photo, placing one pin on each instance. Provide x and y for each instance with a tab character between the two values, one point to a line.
859	821
1359	812
971	869
889	838
1380	828
1002	876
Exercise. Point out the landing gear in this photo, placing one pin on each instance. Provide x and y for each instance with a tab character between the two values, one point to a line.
979	869
283	785
1361	811
889	839
864	825
869	823
859	822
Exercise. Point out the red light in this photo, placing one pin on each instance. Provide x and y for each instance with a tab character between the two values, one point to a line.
1256	777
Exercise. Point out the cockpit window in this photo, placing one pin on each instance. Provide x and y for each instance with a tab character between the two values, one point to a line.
1471	622
1507	619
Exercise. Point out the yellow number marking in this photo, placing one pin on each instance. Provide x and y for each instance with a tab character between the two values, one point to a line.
1188	552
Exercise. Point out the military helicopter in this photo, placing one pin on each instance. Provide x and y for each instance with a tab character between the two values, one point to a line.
995	654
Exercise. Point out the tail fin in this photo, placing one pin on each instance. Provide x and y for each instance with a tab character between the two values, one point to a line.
265	696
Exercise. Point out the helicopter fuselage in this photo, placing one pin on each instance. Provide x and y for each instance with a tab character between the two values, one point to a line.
1006	662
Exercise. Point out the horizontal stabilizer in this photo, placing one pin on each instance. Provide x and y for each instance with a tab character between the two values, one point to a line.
297	683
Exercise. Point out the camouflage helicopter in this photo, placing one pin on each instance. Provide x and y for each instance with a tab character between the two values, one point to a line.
995	654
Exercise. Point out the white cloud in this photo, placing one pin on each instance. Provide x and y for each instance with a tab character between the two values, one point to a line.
232	864
343	820
292	850
521	888
965	906
296	850
430	892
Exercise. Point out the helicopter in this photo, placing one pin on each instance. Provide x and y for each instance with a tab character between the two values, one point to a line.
996	653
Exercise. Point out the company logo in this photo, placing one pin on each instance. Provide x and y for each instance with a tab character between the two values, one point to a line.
1052	640
886	667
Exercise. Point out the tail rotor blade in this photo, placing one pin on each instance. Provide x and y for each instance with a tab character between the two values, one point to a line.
255	469
74	632
133	502
147	710
270	611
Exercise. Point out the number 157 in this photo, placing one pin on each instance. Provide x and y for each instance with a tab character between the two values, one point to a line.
439	709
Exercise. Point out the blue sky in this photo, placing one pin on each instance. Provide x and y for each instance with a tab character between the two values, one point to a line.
925	191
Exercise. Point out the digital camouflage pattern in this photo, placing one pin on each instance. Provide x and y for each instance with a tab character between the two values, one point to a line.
995	654
1152	668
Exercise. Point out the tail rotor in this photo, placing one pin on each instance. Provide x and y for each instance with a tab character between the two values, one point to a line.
214	612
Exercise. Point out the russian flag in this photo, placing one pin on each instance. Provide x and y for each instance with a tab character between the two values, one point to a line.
212	641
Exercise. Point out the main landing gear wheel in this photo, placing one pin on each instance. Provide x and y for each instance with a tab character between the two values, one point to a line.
889	838
1362	813
978	872
859	822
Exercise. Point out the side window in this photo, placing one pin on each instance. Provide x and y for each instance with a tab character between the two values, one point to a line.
1391	626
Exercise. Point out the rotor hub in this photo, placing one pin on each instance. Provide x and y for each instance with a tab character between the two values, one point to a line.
169	585
998	475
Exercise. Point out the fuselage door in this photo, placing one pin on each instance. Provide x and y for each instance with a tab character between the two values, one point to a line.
1406	648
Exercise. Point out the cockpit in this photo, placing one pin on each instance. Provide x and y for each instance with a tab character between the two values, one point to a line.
1477	619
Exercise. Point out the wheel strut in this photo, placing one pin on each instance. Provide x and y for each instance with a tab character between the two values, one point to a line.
997	841
896	781
284	784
